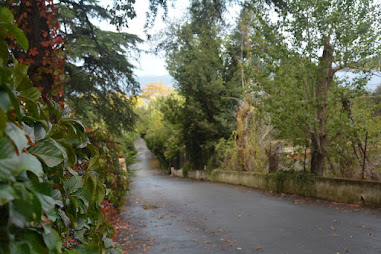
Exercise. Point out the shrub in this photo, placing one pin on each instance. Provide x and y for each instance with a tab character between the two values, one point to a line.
51	186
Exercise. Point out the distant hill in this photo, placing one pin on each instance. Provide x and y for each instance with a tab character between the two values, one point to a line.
169	81
373	83
145	80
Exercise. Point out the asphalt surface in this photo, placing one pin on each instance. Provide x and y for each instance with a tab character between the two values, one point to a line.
174	215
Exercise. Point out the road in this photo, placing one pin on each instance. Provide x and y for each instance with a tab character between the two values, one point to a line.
173	215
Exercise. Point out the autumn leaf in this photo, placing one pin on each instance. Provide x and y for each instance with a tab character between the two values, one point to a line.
33	51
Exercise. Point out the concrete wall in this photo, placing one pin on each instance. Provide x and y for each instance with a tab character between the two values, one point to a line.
333	189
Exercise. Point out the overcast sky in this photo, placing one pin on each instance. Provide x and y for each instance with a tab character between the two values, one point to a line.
148	64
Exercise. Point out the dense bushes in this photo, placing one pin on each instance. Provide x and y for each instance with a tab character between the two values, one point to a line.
52	179
158	124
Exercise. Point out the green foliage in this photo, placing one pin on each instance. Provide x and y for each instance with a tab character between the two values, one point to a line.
245	149
99	84
213	174
159	124
300	179
194	55
50	186
116	178
307	104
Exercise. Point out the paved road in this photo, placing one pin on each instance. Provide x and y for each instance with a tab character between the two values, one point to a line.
174	215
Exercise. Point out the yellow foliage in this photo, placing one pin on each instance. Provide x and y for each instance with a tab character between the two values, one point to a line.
153	90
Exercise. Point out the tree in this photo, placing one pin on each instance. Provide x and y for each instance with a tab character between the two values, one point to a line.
153	90
99	75
94	61
314	40
195	61
38	19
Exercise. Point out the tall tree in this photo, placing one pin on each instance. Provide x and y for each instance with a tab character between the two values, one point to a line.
100	83
312	41
99	76
195	61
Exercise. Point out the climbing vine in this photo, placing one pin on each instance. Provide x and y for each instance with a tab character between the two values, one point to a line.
45	57
52	189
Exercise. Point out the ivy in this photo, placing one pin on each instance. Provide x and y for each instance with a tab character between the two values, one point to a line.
51	188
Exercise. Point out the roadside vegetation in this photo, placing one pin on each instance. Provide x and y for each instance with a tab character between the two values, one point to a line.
61	180
261	95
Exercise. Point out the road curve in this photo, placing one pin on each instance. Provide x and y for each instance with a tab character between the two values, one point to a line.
174	215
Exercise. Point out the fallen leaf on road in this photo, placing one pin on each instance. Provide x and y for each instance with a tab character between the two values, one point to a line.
258	247
149	207
335	234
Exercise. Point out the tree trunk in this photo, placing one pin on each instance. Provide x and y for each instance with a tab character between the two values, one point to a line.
317	155
325	74
274	157
45	56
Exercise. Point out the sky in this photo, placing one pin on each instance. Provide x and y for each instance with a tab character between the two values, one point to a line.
149	64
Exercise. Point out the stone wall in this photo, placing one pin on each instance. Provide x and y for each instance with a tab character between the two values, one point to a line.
333	189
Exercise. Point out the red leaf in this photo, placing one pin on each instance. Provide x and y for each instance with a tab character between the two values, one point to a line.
45	43
33	51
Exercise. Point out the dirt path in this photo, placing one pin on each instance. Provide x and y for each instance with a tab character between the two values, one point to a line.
172	215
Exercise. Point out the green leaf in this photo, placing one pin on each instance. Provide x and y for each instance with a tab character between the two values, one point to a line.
5	102
94	161
89	248
30	163
80	234
81	199
21	80
12	165
3	120
34	241
64	217
7	193
73	184
17	136
70	252
8	160
34	110
4	54
71	156
52	215
6	149
6	15
31	93
39	132
57	196
44	192
108	242
101	192
17	33
91	184
49	151
23	211
14	100
76	123
53	241
19	247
